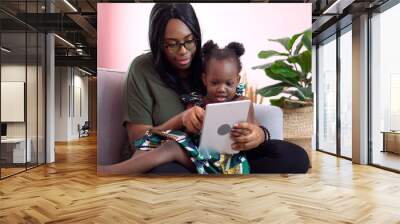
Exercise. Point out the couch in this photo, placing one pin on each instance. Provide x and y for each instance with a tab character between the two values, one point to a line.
112	137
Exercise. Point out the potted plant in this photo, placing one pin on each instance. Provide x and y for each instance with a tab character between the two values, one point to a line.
293	93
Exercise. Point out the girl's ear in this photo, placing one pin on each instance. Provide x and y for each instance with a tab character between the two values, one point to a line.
203	78
238	78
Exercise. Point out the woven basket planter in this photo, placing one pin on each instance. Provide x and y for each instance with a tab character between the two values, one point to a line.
298	127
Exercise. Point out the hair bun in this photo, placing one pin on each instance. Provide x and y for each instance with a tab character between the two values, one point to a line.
238	48
208	47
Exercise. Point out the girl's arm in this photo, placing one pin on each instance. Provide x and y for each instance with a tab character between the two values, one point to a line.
247	135
173	123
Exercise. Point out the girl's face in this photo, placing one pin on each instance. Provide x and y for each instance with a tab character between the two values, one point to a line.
221	79
179	44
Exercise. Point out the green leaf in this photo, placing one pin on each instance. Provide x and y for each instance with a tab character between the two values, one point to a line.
297	93
298	48
283	41
267	54
292	40
272	90
280	77
280	67
306	39
278	102
304	60
306	91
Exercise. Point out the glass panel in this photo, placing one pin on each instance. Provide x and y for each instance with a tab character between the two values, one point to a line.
13	89
23	88
31	100
41	98
327	96
385	84
346	93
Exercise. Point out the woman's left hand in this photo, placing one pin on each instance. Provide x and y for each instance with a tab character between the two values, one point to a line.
246	136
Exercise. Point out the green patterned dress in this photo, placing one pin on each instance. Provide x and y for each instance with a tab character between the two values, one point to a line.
206	162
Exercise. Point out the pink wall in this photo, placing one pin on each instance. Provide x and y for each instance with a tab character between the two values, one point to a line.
123	30
117	27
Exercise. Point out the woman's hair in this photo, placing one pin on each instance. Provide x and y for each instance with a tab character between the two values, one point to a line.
232	51
159	17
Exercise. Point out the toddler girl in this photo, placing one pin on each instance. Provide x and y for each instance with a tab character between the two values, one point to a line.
221	78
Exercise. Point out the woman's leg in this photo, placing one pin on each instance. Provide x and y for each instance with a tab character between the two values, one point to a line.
277	156
143	161
171	168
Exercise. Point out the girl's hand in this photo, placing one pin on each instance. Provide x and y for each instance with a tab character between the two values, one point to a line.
246	136
192	119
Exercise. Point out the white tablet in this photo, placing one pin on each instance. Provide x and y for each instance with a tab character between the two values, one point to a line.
218	121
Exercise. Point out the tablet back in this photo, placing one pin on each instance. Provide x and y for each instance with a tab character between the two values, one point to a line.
218	121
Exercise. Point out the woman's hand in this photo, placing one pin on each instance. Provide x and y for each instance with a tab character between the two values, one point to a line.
246	136
192	119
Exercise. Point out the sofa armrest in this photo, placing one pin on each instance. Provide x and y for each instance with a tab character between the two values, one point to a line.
270	117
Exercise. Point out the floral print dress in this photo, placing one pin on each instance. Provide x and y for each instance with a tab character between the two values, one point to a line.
209	162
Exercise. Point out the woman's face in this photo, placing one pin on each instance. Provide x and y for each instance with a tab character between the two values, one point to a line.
221	79
179	44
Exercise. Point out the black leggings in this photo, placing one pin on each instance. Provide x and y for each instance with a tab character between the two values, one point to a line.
276	156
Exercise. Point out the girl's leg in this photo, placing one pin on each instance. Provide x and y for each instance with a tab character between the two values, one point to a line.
143	161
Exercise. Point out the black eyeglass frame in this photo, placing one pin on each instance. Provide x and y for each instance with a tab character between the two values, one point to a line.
179	44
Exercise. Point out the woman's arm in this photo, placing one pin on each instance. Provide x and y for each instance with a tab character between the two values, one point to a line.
138	104
136	131
191	119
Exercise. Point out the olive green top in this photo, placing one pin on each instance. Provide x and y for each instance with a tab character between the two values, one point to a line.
147	99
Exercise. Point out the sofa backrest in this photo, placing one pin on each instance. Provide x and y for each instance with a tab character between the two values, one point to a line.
111	135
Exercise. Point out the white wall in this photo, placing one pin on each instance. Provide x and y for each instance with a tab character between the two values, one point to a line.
67	115
79	117
13	72
12	100
62	78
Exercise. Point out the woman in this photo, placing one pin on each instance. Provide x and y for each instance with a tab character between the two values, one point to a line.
156	80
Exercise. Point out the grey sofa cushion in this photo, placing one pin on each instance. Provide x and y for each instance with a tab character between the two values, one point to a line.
270	117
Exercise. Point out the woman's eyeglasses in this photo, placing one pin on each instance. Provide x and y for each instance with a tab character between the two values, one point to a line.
175	46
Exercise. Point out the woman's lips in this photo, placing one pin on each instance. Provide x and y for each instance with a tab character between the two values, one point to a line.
183	61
